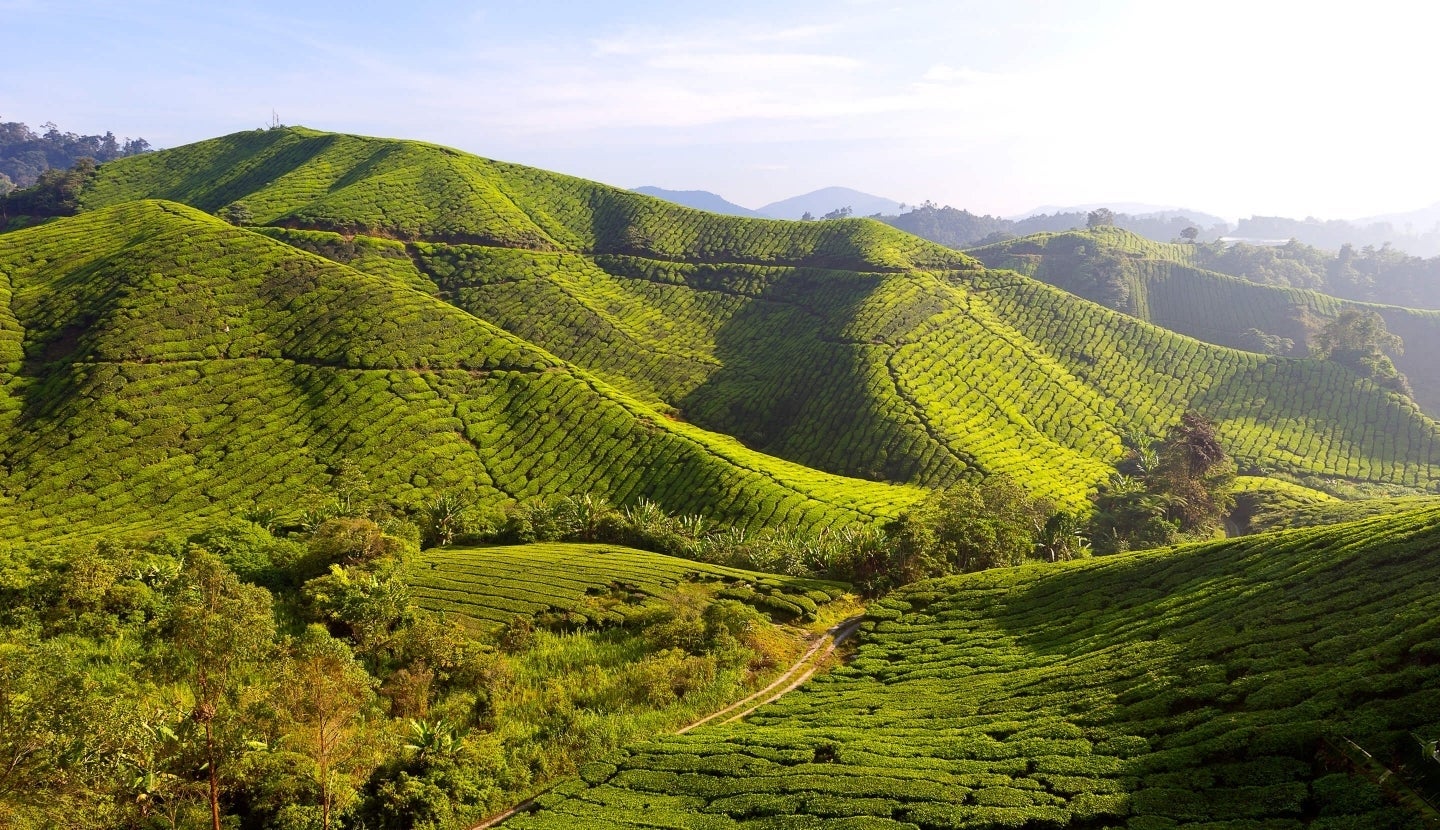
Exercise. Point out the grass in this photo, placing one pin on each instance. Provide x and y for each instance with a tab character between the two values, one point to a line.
1206	686
581	585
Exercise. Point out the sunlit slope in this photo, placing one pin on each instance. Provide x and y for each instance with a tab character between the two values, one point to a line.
162	366
845	346
927	376
1215	686
589	585
1168	290
411	190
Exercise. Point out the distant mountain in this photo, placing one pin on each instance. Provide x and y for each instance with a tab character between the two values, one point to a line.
700	200
823	201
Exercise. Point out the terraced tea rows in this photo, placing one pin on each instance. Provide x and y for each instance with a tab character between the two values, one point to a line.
304	178
1214	686
1167	289
841	346
164	366
589	584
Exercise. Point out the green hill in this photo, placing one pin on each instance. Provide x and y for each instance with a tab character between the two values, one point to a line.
1162	284
846	346
588	584
1234	685
162	366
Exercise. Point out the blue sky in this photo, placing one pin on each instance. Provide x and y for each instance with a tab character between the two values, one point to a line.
1275	107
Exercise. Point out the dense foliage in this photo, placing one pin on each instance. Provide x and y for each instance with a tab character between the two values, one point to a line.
1180	487
291	682
26	154
1228	685
962	229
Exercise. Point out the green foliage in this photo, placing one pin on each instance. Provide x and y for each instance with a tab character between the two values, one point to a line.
1358	340
55	193
966	528
140	685
1203	685
1179	487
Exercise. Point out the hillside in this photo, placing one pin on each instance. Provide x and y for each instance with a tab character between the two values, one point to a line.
1228	685
582	585
162	366
1162	284
845	346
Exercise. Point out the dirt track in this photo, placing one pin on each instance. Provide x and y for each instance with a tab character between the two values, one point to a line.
793	678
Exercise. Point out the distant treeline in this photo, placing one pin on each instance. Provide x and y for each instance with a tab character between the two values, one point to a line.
962	229
1369	274
25	154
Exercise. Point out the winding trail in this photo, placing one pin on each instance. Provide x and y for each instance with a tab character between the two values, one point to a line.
793	678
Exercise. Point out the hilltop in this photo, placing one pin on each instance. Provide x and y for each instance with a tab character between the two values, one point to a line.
845	346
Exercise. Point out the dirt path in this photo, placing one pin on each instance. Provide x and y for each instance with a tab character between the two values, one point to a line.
828	642
793	678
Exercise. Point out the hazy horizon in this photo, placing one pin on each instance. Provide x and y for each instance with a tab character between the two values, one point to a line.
1286	109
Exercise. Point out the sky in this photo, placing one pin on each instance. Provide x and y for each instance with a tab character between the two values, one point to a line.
1267	107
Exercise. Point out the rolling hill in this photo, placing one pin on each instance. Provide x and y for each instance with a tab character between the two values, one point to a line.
845	346
162	366
1166	288
1278	681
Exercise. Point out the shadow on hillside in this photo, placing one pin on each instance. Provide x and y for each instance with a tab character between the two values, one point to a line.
792	386
213	185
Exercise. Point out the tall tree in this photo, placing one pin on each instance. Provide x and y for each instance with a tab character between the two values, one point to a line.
332	692
1099	218
1196	474
220	630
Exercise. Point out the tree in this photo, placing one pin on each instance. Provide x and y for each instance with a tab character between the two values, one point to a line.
220	631
237	214
332	692
1196	475
1190	234
56	193
1100	217
1359	341
1162	491
966	528
838	213
807	216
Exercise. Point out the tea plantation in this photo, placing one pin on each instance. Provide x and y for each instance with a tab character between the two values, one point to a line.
1166	288
589	584
843	346
1229	685
162	367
